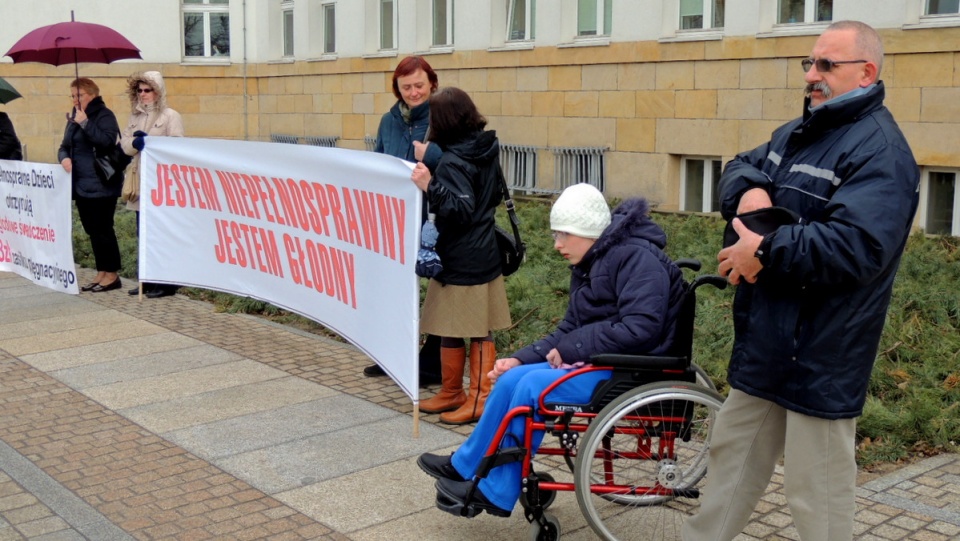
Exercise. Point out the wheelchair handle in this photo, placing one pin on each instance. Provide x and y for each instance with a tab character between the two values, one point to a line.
716	281
692	264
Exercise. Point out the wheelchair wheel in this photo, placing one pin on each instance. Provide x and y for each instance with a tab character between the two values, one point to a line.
643	460
546	496
703	378
548	531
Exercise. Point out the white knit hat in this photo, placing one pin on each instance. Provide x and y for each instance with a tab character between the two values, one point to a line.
580	210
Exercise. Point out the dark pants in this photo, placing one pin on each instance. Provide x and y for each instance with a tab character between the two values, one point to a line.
430	356
146	285
96	216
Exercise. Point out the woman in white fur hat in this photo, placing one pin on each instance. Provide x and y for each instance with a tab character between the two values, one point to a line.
149	115
624	298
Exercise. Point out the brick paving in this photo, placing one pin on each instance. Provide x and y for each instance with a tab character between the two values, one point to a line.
132	482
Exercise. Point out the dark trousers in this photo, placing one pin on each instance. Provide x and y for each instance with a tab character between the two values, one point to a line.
146	285
96	216
430	356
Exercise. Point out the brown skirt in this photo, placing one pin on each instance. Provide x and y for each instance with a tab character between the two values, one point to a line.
465	311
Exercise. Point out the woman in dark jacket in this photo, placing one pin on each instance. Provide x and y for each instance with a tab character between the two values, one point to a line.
624	298
9	143
468	297
91	127
402	134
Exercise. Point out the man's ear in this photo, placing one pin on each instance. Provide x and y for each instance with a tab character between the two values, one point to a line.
869	76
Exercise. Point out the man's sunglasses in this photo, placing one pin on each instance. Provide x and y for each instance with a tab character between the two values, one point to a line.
825	64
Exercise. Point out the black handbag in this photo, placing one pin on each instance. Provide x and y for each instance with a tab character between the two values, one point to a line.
511	248
761	221
111	164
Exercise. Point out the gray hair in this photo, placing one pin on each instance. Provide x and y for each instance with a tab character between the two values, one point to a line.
869	43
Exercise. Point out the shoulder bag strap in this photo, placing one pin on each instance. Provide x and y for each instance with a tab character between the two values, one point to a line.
508	201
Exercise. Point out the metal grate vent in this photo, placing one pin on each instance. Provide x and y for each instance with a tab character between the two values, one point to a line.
370	142
280	138
573	165
519	164
329	141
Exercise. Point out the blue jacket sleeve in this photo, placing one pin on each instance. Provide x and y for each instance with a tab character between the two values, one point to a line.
432	157
739	175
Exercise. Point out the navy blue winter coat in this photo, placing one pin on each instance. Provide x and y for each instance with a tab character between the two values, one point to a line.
101	131
624	294
464	194
808	330
395	137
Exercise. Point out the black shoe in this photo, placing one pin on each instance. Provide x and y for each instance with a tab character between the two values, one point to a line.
116	284
438	467
373	371
159	291
90	286
452	498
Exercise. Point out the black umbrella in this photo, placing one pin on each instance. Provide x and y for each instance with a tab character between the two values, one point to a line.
7	92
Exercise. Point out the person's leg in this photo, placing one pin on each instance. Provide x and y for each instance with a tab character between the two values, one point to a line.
502	485
451	395
483	355
429	358
820	475
96	216
746	443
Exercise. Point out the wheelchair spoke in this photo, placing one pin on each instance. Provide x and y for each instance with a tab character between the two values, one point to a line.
643	461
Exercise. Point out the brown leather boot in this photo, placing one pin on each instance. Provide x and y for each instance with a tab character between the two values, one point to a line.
482	357
451	395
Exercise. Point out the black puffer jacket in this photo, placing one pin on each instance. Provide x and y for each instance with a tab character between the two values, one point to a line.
807	331
464	194
624	294
101	131
9	143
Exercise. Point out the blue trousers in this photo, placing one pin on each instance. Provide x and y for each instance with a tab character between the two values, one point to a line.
520	386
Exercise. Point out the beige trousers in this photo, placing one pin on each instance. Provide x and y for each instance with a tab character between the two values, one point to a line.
820	471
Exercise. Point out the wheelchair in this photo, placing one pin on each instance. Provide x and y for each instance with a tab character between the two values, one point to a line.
637	450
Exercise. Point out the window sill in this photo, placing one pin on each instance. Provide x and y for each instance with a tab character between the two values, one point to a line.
525	45
934	21
325	57
445	49
206	61
284	60
590	41
709	34
795	29
384	53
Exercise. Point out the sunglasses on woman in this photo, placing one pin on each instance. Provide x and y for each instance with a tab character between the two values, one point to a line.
144	90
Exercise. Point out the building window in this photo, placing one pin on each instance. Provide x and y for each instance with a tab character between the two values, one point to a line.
941	204
521	15
329	28
388	24
701	14
594	17
573	165
942	7
286	11
206	28
698	191
804	11
442	22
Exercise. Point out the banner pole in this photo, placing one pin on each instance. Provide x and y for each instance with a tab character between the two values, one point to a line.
416	419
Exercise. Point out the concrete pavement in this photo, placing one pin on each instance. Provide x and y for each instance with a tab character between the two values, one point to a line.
163	419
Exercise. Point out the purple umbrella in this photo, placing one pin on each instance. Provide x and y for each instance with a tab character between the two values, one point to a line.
75	42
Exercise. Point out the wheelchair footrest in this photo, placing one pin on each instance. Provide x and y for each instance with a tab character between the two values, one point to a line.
469	510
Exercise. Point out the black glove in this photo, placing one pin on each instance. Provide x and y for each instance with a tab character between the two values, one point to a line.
138	139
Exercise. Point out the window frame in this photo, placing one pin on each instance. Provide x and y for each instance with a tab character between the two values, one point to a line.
926	11
205	9
325	10
709	186
287	33
448	24
924	210
707	14
809	14
601	30
529	26
392	24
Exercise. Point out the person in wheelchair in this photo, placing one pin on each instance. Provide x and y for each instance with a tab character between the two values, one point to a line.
624	298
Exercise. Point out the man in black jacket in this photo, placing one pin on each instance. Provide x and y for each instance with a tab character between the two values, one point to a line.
812	296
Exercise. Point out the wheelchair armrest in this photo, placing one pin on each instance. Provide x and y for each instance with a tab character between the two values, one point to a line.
646	362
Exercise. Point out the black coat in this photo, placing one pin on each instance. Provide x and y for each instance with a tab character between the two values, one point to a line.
808	330
624	294
101	131
464	194
9	143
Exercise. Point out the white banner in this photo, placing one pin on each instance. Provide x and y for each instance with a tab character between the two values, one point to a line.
36	221
331	234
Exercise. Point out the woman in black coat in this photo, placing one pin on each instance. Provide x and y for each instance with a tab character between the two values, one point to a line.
9	143
92	128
